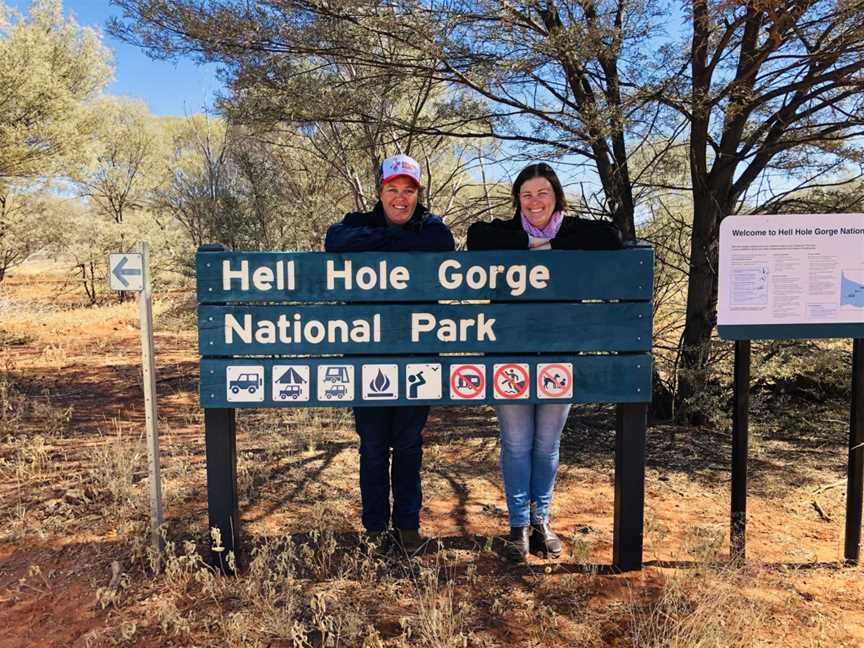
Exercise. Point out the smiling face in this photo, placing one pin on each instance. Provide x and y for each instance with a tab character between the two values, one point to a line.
399	198
537	201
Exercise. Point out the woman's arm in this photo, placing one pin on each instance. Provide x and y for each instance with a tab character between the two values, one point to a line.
353	235
432	236
496	236
584	234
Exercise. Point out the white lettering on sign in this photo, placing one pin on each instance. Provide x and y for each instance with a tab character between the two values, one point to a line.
448	330
367	277
517	277
262	277
285	330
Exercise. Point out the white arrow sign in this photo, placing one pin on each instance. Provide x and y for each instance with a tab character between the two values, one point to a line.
125	271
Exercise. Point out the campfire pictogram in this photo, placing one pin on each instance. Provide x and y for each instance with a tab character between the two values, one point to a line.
379	386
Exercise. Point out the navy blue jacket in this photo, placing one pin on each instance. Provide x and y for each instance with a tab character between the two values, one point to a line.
574	234
370	232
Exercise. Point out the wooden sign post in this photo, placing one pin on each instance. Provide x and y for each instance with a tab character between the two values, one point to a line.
366	329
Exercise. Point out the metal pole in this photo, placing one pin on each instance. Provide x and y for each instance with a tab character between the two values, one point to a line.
855	479
740	433
145	308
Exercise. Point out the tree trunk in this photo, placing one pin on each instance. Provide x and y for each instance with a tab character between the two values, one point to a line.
701	314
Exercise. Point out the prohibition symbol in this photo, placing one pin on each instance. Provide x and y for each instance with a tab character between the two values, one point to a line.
511	381
555	380
467	382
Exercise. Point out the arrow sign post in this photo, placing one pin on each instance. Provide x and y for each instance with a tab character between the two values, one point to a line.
131	271
126	272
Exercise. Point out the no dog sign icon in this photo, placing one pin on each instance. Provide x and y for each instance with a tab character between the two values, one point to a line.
555	380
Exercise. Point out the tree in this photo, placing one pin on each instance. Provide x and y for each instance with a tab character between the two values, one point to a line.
49	69
27	224
752	86
125	158
544	75
771	85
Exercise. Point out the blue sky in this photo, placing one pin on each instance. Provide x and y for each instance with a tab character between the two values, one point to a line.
168	87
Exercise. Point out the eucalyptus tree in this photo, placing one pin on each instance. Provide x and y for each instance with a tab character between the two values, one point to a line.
50	68
752	86
770	91
125	158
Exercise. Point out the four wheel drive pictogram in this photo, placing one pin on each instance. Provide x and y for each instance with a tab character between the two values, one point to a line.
336	391
290	391
248	381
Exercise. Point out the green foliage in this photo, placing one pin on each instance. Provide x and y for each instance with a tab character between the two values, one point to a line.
29	222
49	68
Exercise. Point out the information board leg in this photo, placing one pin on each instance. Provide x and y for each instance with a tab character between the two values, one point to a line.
631	424
220	437
740	442
855	481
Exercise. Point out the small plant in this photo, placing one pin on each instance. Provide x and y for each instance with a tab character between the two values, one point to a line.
704	544
580	551
441	620
696	612
116	472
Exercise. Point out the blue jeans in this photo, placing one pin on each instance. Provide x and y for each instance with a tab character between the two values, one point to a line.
380	429
530	442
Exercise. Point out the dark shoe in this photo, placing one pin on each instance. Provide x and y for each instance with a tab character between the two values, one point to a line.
516	547
409	539
544	541
379	540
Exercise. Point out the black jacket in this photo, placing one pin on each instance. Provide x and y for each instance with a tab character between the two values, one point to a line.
370	232
574	234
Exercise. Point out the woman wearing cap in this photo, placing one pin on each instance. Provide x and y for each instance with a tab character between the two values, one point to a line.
397	222
531	434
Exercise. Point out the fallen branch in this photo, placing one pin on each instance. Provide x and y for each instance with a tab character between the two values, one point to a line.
820	510
822	489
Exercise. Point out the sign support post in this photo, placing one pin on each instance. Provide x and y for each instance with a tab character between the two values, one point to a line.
793	276
631	421
740	438
220	437
145	307
855	479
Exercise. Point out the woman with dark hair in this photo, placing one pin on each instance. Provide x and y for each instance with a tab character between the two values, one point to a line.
531	433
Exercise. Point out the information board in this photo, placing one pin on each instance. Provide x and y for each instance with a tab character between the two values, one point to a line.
790	273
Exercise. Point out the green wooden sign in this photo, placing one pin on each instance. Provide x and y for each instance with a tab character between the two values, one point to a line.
314	329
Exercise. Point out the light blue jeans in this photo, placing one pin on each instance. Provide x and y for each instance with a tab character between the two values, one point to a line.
530	442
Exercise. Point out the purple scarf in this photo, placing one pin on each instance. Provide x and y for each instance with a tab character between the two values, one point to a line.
548	232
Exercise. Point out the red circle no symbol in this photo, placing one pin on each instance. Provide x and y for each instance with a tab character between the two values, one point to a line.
509	380
560	388
471	387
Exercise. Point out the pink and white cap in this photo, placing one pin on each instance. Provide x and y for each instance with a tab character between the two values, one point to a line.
400	165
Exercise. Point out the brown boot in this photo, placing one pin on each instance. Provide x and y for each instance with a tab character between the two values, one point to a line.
516	547
410	540
544	541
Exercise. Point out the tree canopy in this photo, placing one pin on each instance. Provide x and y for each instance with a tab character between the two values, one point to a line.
50	67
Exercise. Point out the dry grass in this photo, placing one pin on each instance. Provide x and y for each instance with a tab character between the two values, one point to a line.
75	554
697	610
